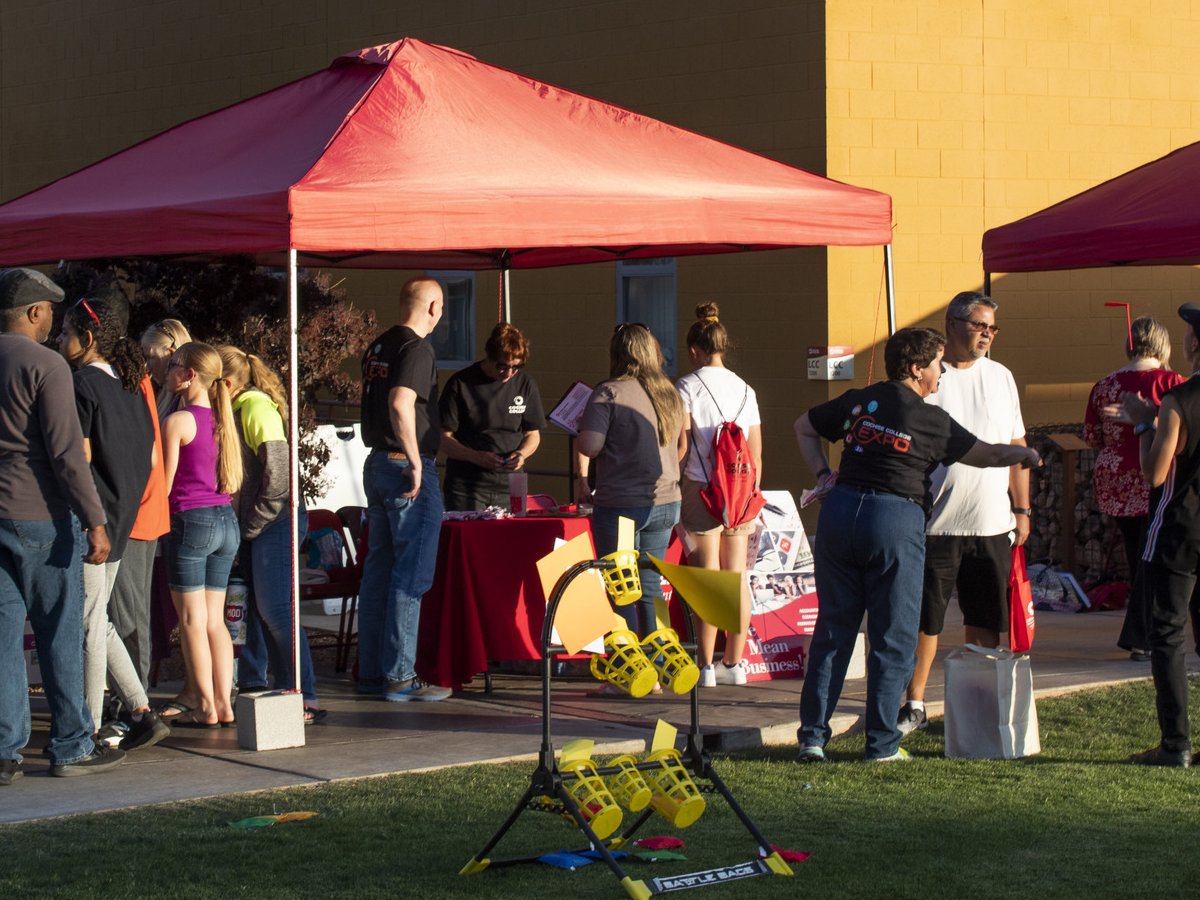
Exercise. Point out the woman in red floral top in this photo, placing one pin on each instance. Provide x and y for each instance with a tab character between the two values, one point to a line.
1120	489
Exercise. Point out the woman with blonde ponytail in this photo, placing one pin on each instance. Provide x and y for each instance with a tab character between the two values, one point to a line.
203	464
260	410
632	427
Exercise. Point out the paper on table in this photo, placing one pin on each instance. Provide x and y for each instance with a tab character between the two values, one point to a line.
716	597
664	736
583	613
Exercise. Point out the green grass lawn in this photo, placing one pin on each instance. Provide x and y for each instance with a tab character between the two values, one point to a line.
1073	822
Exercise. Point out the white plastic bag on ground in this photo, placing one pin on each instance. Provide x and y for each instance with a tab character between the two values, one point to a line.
990	711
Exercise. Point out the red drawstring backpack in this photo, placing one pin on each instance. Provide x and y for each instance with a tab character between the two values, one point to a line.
732	496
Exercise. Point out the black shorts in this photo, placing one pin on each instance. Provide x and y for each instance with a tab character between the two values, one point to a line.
979	567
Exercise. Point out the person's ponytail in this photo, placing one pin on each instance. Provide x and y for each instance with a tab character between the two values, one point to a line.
229	447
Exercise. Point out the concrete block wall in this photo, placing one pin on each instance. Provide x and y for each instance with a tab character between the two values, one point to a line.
972	115
969	114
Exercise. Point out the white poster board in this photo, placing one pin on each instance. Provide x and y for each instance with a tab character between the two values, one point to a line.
347	455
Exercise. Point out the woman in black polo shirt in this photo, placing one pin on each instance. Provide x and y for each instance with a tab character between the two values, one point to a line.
870	544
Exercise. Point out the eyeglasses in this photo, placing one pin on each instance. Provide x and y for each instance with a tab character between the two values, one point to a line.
175	365
981	327
160	325
505	367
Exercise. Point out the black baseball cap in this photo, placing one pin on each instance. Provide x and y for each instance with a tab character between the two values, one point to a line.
24	287
1190	313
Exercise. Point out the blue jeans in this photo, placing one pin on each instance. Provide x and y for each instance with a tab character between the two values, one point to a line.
41	575
401	557
200	548
266	565
651	533
870	558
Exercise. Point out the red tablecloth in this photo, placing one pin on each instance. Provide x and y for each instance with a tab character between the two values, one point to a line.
486	602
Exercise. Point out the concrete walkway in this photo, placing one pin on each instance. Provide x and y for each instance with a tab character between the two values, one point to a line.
363	736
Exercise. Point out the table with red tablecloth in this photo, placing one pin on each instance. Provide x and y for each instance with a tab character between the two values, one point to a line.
486	602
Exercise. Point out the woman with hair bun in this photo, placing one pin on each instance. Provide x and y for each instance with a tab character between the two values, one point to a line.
118	431
260	411
712	394
203	462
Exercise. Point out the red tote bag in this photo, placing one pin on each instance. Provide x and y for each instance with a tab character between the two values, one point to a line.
1020	605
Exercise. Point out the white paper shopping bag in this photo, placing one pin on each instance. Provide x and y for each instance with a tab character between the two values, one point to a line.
990	712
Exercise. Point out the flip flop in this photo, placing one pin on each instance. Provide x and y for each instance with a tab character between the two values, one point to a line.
313	716
181	709
192	723
232	723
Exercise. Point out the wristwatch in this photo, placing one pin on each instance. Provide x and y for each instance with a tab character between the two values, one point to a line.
1022	511
1142	427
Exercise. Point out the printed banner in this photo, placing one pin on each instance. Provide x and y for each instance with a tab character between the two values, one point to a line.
782	591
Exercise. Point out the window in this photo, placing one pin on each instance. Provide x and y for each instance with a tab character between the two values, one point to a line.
453	339
646	293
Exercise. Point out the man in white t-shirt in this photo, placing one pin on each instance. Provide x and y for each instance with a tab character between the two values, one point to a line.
978	514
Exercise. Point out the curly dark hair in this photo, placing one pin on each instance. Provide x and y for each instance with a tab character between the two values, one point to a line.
911	347
104	314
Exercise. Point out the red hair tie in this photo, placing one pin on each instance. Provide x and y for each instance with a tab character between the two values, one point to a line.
91	312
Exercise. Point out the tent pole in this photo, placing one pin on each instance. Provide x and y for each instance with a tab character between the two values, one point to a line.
506	295
294	442
891	288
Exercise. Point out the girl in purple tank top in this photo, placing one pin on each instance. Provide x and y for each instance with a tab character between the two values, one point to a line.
203	466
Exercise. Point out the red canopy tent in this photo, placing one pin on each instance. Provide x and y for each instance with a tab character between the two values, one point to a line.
414	155
410	155
1142	218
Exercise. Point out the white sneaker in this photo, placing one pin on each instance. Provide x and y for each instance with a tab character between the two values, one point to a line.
730	674
708	677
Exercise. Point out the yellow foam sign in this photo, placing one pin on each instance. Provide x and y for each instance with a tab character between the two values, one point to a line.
583	612
625	534
664	736
576	750
716	597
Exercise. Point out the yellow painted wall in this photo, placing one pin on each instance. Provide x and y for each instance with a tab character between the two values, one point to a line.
972	115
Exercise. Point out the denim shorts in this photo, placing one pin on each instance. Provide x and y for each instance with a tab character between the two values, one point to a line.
201	548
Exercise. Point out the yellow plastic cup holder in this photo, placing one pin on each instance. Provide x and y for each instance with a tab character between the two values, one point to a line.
675	668
623	582
676	797
591	795
625	665
627	786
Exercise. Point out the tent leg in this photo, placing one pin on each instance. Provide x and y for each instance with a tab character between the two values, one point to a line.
294	443
891	288
506	295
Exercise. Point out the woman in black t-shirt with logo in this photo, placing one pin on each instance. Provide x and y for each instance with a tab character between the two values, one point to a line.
870	544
